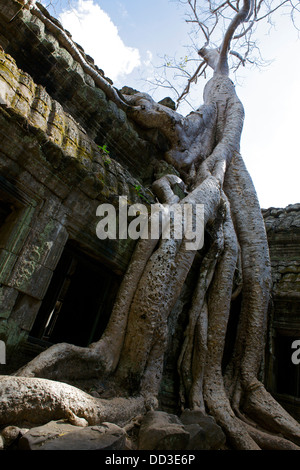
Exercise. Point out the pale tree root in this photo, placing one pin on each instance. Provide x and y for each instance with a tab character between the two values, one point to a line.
191	362
219	297
75	404
156	293
207	378
267	441
32	401
68	362
244	434
193	352
38	401
71	363
247	393
213	305
64	361
250	341
75	365
265	410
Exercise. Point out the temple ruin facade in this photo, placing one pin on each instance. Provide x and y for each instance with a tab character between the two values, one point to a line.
65	148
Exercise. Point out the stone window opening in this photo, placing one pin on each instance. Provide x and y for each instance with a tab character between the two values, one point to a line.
286	372
78	302
10	211
5	210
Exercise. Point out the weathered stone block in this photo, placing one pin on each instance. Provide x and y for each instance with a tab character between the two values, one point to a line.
29	277
63	436
25	311
45	246
36	437
11	434
7	262
59	187
15	230
12	335
54	255
162	431
92	186
9	75
47	210
205	433
23	98
83	208
8	297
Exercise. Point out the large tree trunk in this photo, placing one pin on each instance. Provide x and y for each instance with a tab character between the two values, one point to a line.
130	354
128	358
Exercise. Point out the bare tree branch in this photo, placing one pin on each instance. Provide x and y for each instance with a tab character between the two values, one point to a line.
193	79
240	17
223	34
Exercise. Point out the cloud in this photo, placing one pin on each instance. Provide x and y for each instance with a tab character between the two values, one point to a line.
123	10
93	29
148	61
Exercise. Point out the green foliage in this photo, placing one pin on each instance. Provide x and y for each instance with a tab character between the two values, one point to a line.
103	149
105	152
138	188
107	161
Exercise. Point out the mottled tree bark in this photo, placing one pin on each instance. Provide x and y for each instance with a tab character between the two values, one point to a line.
205	149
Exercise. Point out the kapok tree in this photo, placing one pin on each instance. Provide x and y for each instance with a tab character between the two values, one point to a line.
128	359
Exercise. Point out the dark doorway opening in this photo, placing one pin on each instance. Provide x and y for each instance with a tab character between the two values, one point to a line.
79	300
11	209
286	372
5	210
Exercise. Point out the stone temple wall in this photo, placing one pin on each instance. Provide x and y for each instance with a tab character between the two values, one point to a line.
54	172
282	376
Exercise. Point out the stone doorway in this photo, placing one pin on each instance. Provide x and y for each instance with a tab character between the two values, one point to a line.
79	300
287	373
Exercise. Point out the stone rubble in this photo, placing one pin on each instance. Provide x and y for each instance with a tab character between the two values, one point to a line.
157	430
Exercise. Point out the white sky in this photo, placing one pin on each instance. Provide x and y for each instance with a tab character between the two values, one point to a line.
123	36
92	28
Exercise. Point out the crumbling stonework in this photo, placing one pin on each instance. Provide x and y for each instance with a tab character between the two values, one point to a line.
283	229
55	171
282	376
54	122
39	54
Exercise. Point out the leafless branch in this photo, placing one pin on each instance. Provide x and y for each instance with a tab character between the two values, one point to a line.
238	19
224	34
200	71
